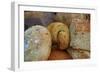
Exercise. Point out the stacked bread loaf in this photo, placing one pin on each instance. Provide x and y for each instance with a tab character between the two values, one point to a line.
60	34
37	43
60	41
80	37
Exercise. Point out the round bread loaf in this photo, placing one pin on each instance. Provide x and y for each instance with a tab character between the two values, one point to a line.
37	43
80	34
60	34
59	55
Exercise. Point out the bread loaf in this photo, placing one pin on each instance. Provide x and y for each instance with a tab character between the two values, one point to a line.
60	34
80	34
37	43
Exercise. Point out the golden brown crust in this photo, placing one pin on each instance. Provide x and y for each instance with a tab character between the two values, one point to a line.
62	37
60	34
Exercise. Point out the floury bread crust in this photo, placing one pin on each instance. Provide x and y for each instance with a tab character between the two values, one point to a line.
37	43
80	34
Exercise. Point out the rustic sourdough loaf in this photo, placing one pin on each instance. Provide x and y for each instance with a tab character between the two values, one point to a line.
80	34
60	34
37	43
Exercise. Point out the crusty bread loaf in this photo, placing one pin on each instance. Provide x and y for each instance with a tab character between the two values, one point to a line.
79	53
59	55
60	34
80	34
37	43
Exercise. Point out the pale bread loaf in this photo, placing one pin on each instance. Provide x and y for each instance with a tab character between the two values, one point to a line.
37	43
80	34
